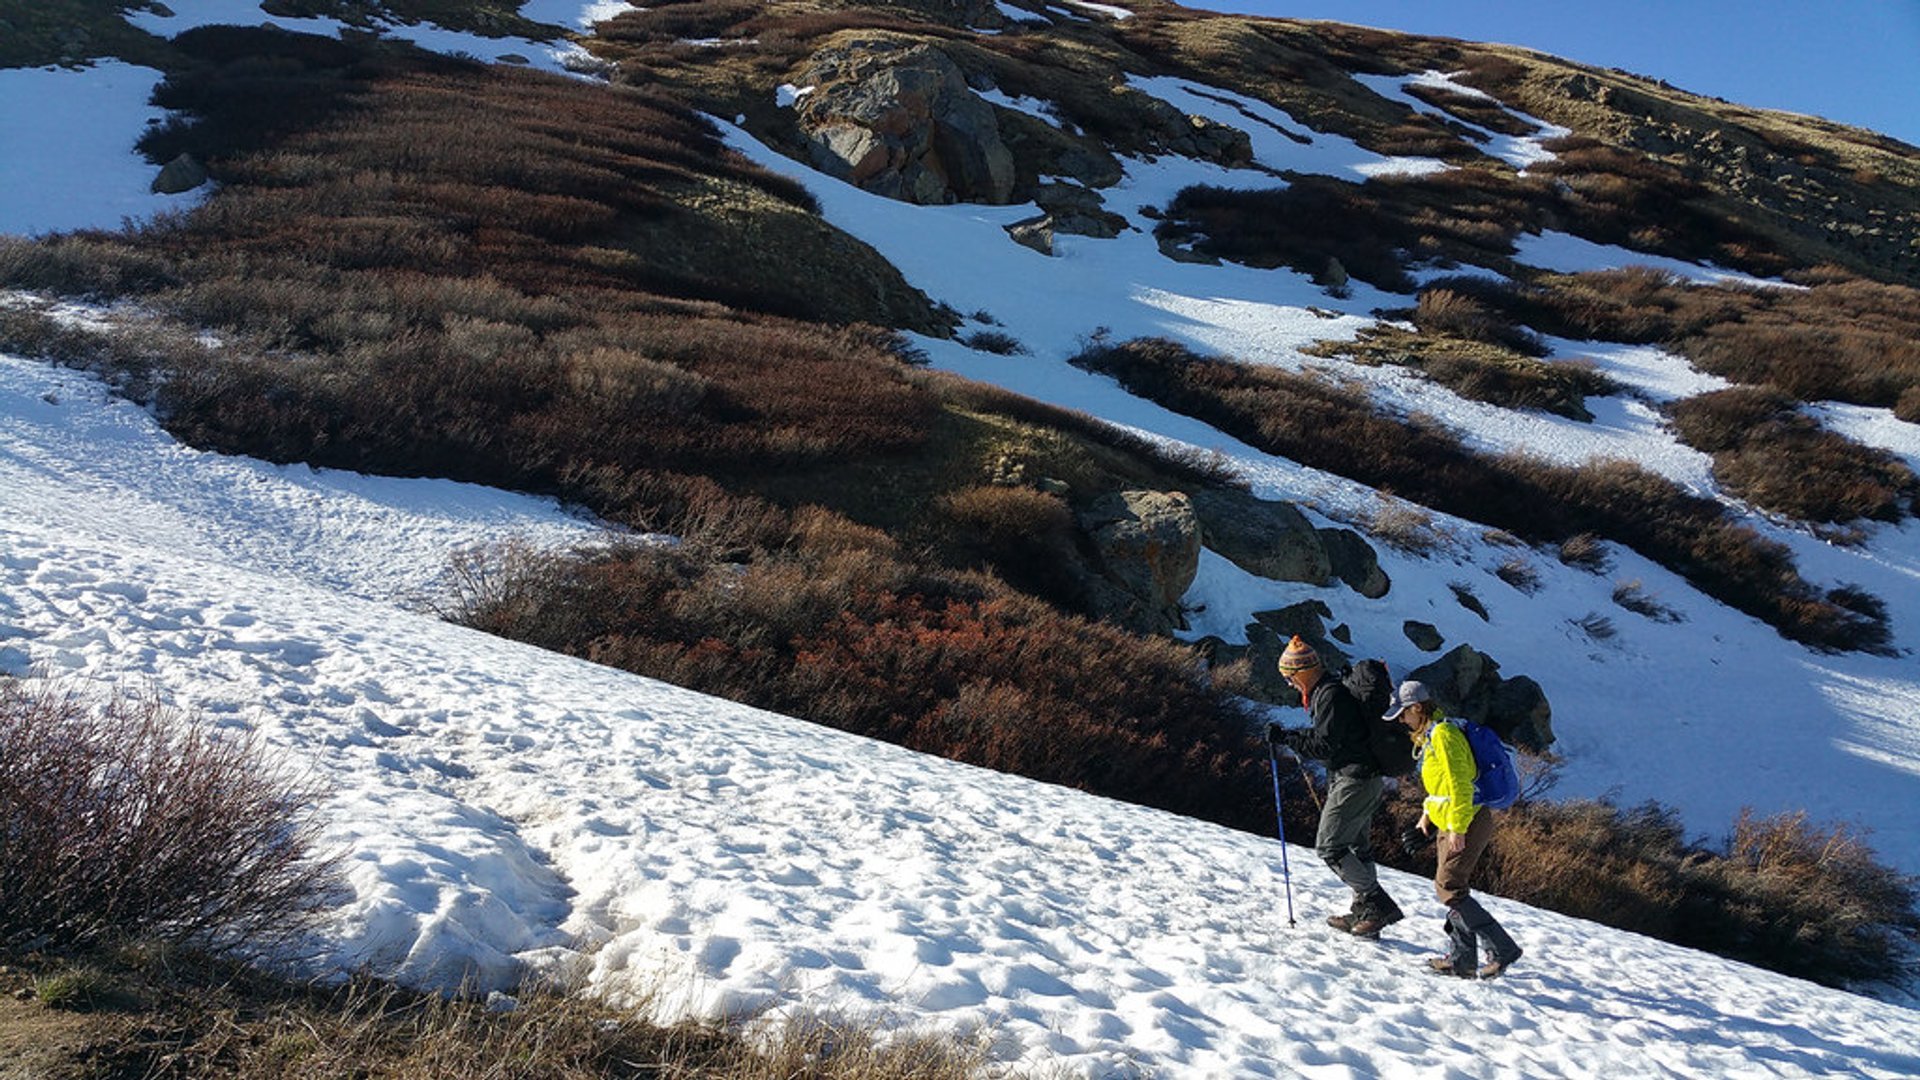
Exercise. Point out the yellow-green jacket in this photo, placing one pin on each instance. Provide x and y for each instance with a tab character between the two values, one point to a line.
1447	771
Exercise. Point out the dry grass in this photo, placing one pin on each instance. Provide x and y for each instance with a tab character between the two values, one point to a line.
170	1014
1478	370
1404	526
1634	596
1520	573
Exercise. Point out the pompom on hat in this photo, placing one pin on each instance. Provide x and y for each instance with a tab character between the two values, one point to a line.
1299	656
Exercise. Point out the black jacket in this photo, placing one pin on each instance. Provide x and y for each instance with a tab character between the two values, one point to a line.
1338	735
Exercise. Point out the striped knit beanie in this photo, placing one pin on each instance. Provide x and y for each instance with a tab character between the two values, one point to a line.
1299	656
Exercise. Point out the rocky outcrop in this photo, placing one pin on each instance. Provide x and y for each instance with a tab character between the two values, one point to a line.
1355	562
1272	539
899	120
1467	683
1168	130
1148	546
1066	209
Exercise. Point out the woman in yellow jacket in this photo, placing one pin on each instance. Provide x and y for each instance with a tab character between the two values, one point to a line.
1447	771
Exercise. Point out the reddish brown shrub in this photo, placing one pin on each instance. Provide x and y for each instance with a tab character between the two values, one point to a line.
841	633
124	820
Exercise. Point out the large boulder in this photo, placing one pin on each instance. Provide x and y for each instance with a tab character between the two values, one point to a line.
1467	683
1272	539
1355	562
898	119
1148	544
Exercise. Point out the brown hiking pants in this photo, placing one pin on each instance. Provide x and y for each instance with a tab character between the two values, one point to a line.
1455	868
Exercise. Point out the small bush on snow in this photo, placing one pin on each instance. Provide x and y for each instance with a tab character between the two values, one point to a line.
124	820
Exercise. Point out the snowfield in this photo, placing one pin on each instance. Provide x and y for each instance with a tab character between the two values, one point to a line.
502	810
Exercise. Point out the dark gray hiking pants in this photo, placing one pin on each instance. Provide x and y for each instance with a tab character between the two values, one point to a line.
1344	839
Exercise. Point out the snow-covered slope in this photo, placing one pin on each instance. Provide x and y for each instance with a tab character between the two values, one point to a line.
501	806
1710	713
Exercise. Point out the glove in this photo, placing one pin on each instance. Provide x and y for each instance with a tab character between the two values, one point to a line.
1281	738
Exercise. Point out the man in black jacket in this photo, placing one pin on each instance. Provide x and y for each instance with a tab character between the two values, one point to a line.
1354	787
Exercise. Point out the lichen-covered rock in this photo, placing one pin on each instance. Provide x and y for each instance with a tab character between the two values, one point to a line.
1148	543
899	119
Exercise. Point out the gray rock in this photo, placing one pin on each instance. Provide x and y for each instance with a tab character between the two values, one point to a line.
1171	249
181	174
1034	232
1078	210
1355	562
1467	683
1424	636
1148	543
1308	620
1271	539
1263	651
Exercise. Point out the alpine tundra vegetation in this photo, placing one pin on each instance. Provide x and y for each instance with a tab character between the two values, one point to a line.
755	539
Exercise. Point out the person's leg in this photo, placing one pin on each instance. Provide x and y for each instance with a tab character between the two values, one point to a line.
1344	840
1467	921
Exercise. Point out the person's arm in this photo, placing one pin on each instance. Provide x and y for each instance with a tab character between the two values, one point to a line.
1316	742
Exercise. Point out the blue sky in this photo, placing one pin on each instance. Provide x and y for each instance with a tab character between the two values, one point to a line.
1856	61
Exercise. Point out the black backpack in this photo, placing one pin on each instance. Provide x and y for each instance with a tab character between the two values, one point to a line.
1391	743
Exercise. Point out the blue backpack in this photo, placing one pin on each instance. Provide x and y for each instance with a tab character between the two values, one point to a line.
1496	783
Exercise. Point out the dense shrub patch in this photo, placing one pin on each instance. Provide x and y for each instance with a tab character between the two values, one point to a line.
837	630
1373	229
1839	339
1336	428
1779	892
1767	451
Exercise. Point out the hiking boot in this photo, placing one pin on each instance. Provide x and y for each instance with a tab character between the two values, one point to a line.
1378	913
1343	923
1492	969
1441	965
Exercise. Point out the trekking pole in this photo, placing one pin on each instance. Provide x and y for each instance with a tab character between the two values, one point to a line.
1286	873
